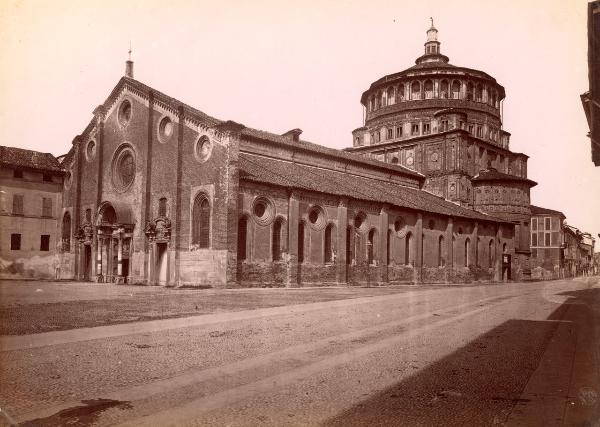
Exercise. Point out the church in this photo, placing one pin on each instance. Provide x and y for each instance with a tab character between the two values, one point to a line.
160	193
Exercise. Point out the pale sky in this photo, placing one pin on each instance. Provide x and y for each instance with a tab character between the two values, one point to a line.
277	65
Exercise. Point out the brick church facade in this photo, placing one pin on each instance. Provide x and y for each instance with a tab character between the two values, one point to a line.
445	122
158	192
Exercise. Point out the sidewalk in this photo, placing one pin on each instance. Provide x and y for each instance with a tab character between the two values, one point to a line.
565	388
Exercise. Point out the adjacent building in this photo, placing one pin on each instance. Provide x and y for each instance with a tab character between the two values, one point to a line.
30	205
547	243
591	98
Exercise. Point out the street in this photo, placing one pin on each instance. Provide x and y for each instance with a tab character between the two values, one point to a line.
517	354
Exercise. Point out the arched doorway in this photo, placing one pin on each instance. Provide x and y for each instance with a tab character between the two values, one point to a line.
114	232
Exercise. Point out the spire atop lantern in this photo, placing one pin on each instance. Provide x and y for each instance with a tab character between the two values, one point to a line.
432	47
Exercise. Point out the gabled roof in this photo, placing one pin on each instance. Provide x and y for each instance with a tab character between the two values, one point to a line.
19	157
537	210
492	174
247	132
330	152
255	168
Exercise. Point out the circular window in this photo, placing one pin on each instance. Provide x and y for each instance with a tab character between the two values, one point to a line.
124	112
434	157
165	129
360	222
123	168
410	161
203	148
398	225
263	210
260	209
90	150
316	217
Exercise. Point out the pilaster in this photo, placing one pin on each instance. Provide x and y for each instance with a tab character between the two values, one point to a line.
178	200
449	248
418	270
147	182
342	244
383	241
293	222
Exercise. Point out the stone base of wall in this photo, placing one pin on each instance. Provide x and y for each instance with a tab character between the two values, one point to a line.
36	267
203	267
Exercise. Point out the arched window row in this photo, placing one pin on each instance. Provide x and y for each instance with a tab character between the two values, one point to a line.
356	242
403	130
434	88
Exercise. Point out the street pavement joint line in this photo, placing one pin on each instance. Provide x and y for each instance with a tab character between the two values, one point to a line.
188	378
20	342
183	413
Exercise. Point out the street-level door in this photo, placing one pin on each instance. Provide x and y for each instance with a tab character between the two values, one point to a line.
161	263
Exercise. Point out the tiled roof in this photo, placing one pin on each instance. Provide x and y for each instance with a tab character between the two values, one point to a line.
263	135
28	159
492	174
537	210
292	175
320	149
68	158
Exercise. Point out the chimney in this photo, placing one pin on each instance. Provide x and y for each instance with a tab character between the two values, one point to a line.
129	68
292	135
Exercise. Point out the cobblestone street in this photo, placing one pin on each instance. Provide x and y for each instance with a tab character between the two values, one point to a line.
367	356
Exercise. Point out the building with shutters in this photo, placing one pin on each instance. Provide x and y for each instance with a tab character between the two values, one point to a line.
30	204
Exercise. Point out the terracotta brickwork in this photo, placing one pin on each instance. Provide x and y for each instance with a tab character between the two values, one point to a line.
445	122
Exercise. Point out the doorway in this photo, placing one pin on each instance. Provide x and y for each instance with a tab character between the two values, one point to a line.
161	264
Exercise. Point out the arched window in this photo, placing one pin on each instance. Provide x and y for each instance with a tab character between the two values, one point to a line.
491	253
276	247
469	91
390	96
301	242
467	250
329	244
407	248
504	248
444	89
453	251
455	89
441	260
371	247
66	232
478	93
242	238
428	89
415	90
378	100
395	160
201	221
400	93
162	206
